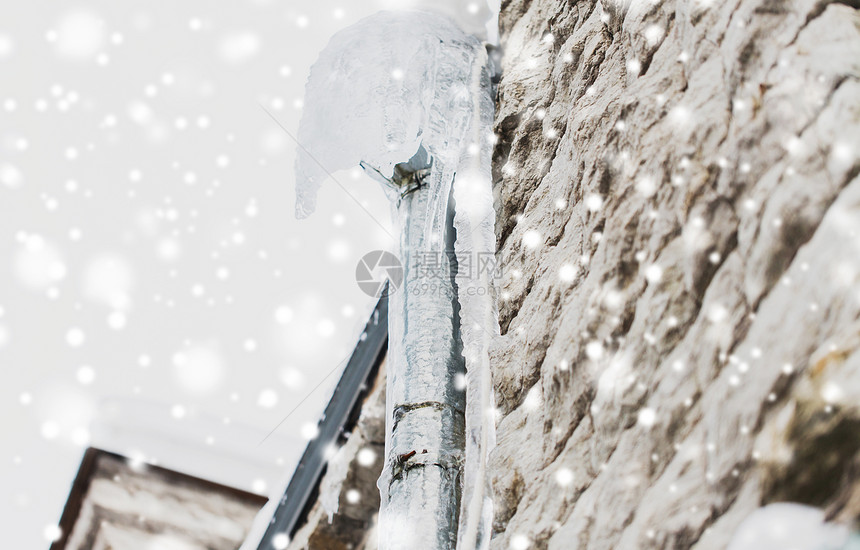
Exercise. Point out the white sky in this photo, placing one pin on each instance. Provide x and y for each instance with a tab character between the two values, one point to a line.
157	298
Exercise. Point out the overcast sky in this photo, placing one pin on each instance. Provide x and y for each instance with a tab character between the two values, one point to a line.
157	297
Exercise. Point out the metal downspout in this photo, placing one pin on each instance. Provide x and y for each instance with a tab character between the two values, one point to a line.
421	483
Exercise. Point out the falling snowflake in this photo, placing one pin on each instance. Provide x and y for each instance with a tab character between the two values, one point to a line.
310	430
38	263
85	375
532	239
199	368
239	47
564	477
647	417
520	542
75	337
654	273
78	35
267	399
366	457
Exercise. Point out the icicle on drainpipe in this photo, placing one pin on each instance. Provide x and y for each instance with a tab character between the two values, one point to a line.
406	95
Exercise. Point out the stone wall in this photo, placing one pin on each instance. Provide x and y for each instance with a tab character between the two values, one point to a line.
679	227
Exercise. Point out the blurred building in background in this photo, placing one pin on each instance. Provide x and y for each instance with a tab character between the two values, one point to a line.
117	503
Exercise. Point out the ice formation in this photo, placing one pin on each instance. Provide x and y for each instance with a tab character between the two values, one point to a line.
384	92
331	485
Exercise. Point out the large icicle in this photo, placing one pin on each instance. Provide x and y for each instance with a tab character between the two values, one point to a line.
384	92
474	221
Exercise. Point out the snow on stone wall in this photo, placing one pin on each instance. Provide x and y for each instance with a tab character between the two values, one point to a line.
679	228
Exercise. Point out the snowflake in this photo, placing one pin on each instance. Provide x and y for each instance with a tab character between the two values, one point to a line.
78	35
564	477
567	273
647	417
594	350
52	533
532	239
309	430
198	368
654	273
178	412
239	47
85	375
366	457
75	337
653	34
267	399
520	542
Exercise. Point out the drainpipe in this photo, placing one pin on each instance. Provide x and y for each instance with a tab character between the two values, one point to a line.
390	85
421	483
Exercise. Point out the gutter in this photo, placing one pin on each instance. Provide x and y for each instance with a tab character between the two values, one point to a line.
339	418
